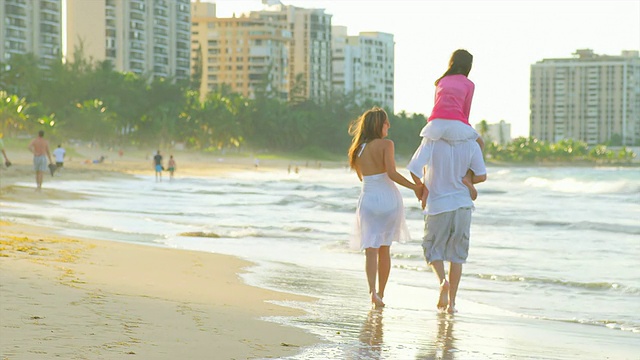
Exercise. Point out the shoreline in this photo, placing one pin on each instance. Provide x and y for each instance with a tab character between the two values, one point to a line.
75	297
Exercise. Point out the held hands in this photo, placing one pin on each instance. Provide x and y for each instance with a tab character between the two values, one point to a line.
421	193
417	189
423	198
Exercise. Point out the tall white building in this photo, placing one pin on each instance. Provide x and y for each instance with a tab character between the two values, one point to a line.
146	37
364	65
592	98
309	50
30	26
344	64
499	133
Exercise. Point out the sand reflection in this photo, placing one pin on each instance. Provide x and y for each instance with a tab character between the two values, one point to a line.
443	347
371	336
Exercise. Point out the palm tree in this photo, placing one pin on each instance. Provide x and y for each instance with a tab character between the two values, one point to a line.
484	130
13	115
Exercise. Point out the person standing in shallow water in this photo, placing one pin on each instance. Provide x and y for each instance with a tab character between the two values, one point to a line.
380	212
157	164
40	149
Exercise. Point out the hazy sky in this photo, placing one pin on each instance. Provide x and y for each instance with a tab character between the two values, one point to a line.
505	36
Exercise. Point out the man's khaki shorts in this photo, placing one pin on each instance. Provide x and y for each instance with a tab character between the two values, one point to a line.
446	236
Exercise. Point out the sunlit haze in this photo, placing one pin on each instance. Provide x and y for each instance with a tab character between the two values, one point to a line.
505	37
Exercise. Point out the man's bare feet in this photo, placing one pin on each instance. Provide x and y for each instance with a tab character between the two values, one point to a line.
472	189
443	301
376	301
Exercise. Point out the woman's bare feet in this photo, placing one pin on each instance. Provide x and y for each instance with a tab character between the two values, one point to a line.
376	301
451	309
444	295
472	189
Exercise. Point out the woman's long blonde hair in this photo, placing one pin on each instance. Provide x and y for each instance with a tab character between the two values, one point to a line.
364	129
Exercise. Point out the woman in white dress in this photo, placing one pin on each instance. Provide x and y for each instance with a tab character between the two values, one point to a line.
380	213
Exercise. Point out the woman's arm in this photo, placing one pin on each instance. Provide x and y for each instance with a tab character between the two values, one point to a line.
390	168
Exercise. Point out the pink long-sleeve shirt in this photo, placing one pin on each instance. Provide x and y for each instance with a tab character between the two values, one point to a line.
453	98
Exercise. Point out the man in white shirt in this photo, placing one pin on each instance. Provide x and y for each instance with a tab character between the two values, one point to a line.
59	153
442	165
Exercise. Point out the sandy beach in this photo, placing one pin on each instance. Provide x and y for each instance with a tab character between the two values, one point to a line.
75	298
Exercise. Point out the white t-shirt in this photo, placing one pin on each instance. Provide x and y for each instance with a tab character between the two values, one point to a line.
446	164
59	154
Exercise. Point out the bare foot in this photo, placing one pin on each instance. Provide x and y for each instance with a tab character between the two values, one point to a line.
451	309
472	189
444	295
376	301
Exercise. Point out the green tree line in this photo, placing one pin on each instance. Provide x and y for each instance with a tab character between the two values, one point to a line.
531	150
90	101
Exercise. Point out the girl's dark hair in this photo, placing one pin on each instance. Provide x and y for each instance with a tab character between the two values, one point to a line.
460	63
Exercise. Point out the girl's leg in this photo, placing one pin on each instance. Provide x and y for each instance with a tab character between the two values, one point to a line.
467	180
384	268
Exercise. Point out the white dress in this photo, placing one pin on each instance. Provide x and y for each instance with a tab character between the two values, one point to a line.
380	214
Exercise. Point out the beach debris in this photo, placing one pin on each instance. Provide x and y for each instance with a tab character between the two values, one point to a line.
200	234
291	345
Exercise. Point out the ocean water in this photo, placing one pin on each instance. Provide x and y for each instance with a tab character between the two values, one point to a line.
554	258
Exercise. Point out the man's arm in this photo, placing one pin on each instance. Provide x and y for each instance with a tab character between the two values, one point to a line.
420	158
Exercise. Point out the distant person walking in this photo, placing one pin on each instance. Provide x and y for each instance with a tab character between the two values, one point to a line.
172	166
40	149
157	164
380	213
59	154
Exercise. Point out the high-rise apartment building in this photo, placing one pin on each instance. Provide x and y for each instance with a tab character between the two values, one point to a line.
31	27
363	65
592	98
146	37
309	48
247	54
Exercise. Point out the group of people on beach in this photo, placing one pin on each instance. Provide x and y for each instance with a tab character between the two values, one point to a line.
43	160
444	169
